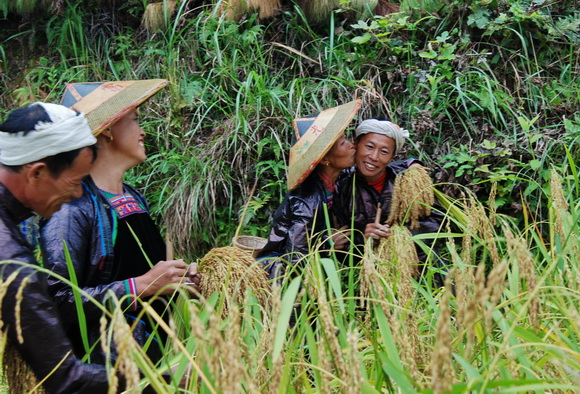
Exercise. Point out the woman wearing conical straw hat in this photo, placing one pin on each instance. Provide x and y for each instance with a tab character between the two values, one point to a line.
114	244
377	142
316	160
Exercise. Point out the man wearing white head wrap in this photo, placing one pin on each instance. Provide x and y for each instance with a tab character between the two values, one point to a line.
66	131
378	141
44	155
383	127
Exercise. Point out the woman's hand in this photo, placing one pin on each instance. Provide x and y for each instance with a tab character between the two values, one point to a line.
163	275
377	231
194	280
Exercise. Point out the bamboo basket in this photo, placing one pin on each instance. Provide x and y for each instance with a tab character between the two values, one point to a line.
250	243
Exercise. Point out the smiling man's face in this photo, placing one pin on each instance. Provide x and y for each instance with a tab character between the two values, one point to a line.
373	153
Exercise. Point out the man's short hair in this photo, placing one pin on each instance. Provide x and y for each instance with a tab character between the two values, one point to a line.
24	120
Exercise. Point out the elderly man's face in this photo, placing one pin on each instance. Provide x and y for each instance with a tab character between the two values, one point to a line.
46	194
373	153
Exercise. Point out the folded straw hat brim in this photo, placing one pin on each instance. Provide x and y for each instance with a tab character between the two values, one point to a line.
323	131
104	103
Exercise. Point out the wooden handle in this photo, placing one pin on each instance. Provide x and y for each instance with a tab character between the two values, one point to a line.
378	216
168	247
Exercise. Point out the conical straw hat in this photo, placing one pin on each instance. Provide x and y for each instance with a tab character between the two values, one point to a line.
316	134
104	103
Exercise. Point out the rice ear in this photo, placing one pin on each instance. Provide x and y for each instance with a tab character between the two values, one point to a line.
17	373
233	270
413	197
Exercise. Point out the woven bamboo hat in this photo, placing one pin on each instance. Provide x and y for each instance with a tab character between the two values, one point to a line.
315	136
104	103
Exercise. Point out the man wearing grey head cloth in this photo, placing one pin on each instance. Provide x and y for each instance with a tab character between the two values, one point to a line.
378	141
45	152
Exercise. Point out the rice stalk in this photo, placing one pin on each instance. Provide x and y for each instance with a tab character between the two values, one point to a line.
491	203
354	378
17	307
442	369
231	365
126	346
412	198
495	287
559	204
16	372
396	325
278	368
326	366
484	229
466	242
481	288
399	253
329	330
367	273
520	254
4	286
233	271
466	306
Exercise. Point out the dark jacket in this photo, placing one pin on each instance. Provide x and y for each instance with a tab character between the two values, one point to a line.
297	223
45	344
366	198
86	225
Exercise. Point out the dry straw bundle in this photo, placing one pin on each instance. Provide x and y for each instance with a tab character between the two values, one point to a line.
319	11
233	270
156	16
234	9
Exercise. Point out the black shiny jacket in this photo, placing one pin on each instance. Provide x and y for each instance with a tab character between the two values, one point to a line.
86	225
44	343
366	200
297	223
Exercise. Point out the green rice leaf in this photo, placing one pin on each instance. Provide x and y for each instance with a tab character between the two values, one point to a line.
82	320
332	275
288	300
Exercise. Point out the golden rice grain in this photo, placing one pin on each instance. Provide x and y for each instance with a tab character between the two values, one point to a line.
412	198
559	204
17	315
17	374
491	203
4	286
398	252
354	378
442	369
520	253
233	271
126	345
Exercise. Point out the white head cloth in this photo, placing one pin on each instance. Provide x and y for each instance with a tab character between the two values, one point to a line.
383	127
67	131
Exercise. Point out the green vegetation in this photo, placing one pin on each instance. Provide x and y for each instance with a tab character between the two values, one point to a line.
490	91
